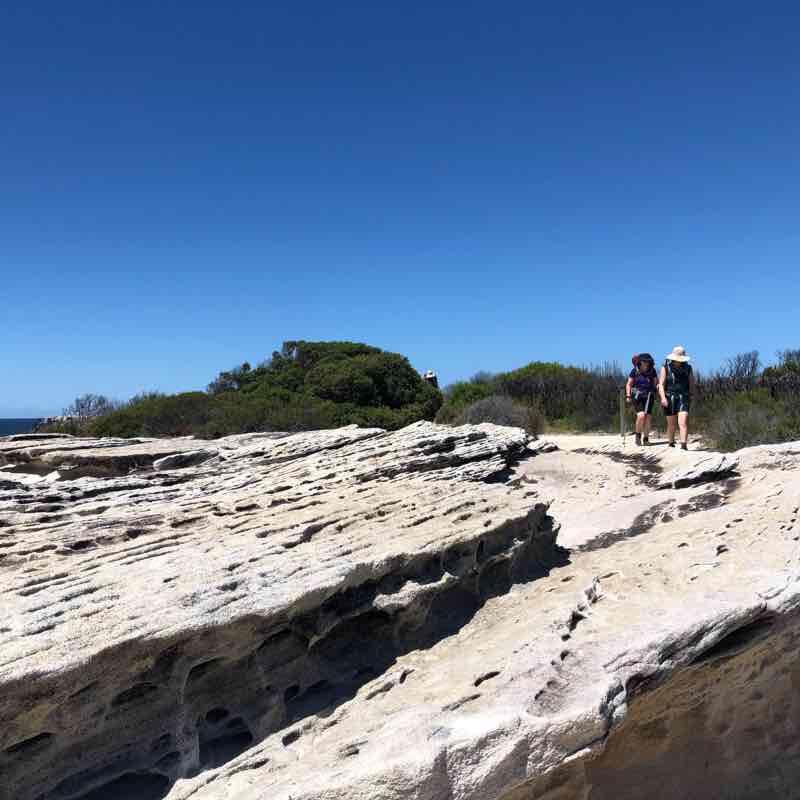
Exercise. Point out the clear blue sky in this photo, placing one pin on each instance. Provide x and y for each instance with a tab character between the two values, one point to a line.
476	185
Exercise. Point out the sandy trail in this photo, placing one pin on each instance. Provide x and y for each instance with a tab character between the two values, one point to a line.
600	485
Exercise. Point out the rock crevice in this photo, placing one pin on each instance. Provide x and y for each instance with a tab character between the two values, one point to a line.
356	614
182	622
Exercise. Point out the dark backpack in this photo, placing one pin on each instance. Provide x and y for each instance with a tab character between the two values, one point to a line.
677	379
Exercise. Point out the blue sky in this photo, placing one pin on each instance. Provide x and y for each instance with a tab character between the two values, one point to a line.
476	185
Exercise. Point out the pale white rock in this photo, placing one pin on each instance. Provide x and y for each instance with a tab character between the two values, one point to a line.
699	468
542	446
171	617
353	614
188	458
667	685
76	457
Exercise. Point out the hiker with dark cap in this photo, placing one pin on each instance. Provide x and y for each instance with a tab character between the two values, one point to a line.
640	390
676	385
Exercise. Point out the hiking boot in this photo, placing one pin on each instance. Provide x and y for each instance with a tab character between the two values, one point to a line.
671	444
645	441
638	438
683	446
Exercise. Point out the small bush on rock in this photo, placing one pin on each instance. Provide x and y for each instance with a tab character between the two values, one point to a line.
502	410
748	418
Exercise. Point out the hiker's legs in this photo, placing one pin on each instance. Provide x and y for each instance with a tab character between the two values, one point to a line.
640	422
671	425
683	423
647	420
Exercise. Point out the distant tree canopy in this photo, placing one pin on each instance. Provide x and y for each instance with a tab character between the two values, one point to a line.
787	369
304	386
342	372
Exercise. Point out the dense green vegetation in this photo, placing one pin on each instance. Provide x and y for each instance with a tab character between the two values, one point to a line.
313	385
305	386
566	398
743	404
739	405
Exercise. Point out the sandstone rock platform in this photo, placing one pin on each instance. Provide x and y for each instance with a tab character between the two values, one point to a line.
359	614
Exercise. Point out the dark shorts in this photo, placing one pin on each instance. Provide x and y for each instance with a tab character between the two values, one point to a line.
677	404
643	401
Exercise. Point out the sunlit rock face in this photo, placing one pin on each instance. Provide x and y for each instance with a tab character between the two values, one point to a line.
353	614
159	620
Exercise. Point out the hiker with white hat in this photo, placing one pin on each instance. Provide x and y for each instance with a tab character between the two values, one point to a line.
676	385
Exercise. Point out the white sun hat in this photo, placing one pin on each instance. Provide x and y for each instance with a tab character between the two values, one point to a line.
678	354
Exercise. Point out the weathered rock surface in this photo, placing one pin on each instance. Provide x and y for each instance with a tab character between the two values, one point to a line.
158	623
542	446
41	454
354	614
188	458
699	468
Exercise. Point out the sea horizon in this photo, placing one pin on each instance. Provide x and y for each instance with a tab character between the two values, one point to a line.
14	425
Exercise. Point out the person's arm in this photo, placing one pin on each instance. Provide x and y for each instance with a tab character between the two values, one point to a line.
628	387
691	382
662	382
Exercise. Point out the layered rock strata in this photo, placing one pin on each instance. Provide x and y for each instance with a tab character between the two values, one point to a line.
158	621
660	661
353	614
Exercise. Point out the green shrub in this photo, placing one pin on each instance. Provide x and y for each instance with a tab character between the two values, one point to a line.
267	410
157	415
742	405
502	410
73	427
747	418
572	398
460	395
374	379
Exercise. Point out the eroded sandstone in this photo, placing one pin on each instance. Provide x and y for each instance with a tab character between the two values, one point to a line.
158	623
661	660
353	614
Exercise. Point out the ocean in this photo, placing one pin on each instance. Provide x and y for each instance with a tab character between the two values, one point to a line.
12	426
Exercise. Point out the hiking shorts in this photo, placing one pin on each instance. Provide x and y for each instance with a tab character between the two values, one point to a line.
677	404
643	401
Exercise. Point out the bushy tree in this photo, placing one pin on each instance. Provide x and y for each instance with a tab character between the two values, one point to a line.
303	386
88	406
578	398
343	382
743	367
231	380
